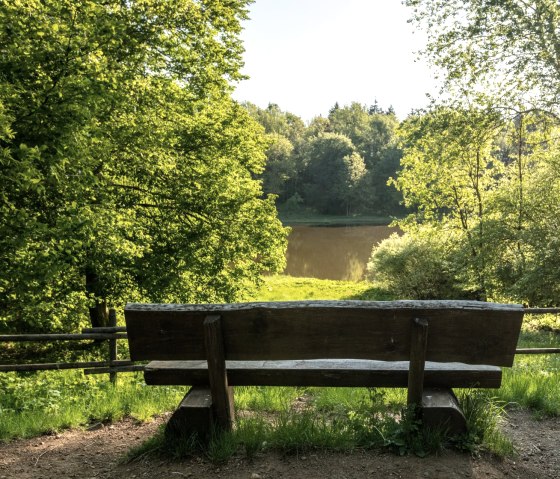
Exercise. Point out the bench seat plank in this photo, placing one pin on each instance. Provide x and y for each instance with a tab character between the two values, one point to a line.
344	372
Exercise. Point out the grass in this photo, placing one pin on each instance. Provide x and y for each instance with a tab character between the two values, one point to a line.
49	401
289	288
534	380
293	420
337	419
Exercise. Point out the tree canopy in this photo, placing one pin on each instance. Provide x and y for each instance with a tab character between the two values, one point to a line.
474	165
298	155
507	49
127	170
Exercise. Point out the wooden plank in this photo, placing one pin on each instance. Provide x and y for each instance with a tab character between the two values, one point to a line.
9	338
418	345
105	329
537	351
440	410
114	369
461	331
193	420
342	373
222	394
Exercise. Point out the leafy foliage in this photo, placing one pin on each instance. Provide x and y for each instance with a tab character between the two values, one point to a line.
415	266
483	216
507	50
307	163
127	170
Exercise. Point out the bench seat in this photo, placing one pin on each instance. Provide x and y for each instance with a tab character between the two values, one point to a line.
322	372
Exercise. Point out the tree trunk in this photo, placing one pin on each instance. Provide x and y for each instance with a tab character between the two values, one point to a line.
98	314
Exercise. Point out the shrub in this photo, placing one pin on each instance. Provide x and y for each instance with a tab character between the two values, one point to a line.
415	267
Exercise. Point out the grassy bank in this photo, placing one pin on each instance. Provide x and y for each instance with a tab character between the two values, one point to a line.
291	419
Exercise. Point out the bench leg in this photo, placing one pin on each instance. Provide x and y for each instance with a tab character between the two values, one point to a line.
194	418
222	393
440	409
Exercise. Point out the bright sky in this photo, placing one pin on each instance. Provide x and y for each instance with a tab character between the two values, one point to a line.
305	55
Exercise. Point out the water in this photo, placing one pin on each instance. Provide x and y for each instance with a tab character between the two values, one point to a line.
340	252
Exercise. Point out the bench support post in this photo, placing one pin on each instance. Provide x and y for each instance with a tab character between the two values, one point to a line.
441	410
222	394
418	344
193	419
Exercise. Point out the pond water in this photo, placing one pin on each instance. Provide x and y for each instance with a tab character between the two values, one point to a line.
332	252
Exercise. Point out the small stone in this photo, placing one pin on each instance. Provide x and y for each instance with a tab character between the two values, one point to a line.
255	476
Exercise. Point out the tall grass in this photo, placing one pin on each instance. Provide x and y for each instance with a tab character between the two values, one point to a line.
534	380
340	419
44	402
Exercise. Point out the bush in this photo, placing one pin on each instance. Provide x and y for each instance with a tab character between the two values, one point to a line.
415	267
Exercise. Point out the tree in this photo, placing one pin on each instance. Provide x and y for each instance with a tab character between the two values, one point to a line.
280	167
283	157
507	50
504	57
333	174
278	122
127	170
447	173
476	180
374	134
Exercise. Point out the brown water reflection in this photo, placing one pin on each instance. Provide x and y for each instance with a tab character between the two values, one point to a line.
340	252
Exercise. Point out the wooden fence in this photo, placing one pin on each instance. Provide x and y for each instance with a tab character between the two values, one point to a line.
113	333
111	366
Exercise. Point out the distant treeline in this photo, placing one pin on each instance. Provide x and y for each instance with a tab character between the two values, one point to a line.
335	165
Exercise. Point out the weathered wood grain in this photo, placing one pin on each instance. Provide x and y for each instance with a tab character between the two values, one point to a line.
222	394
419	343
441	410
193	419
341	373
460	331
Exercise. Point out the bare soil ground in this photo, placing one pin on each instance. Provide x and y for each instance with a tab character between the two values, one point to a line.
99	454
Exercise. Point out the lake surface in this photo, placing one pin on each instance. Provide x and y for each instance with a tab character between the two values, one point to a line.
332	252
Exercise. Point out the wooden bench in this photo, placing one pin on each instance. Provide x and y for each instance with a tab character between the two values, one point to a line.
428	347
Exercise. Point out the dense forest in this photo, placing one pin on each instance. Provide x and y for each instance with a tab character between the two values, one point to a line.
337	165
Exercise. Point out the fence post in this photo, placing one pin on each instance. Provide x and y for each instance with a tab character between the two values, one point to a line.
112	346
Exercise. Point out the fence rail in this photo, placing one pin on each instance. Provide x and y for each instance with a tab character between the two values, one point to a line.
113	333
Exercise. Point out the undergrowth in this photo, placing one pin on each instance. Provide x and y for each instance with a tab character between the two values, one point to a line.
49	401
304	420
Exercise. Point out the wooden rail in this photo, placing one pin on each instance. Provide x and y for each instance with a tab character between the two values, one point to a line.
111	334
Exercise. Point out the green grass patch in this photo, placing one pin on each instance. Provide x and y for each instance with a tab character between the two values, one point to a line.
534	380
48	401
289	288
339	419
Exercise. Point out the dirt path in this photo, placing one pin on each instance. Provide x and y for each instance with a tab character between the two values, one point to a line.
99	453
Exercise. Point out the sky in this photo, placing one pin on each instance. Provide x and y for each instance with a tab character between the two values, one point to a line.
305	55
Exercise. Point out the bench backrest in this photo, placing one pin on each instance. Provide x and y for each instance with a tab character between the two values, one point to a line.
458	331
